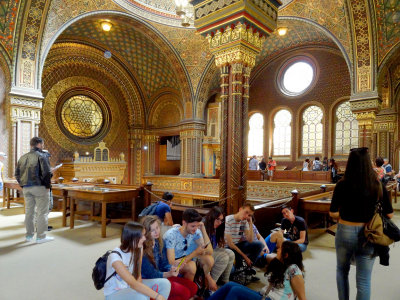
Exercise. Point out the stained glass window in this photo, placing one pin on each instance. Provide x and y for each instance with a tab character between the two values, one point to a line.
256	135
346	129
282	132
312	131
82	116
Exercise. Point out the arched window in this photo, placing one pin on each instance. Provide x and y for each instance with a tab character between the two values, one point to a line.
256	135
282	132
346	129
312	130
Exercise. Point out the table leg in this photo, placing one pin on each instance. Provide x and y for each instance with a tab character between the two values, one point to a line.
8	197
103	219
72	212
64	211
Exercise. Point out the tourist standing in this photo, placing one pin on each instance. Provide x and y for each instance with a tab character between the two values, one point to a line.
353	203
306	165
271	168
33	175
253	163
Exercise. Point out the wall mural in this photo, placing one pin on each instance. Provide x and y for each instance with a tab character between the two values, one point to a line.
8	17
388	20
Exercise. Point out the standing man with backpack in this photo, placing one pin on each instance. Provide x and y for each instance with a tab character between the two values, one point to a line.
33	175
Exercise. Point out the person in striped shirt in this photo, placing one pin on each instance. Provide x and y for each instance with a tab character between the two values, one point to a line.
239	235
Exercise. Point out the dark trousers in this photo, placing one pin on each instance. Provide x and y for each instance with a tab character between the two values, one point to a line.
252	250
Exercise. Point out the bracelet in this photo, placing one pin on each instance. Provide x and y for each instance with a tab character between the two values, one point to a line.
158	294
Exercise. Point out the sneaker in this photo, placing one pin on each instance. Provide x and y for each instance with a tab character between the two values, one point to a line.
49	228
44	240
254	279
29	238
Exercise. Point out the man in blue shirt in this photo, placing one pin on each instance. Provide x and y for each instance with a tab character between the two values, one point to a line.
163	209
187	242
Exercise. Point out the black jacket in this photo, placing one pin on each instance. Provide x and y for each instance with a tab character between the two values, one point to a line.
33	169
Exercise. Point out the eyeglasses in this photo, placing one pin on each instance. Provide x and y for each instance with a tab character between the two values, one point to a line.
185	242
361	149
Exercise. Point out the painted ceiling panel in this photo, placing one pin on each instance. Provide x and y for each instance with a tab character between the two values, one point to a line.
151	65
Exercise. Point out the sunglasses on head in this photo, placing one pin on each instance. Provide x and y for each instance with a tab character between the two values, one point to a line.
361	149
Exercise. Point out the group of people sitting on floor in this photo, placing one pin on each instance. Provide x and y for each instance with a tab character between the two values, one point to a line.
164	267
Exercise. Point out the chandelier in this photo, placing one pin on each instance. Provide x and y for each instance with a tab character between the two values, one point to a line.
185	11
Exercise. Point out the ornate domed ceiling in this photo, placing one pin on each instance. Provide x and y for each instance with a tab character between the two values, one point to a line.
160	11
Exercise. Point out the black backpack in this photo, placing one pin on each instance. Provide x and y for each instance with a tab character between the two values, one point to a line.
100	270
149	210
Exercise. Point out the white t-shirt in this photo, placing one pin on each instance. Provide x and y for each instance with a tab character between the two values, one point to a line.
1	171
286	292
116	283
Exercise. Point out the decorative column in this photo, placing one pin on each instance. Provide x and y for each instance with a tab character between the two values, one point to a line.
365	107
136	151
191	135
236	33
25	119
384	129
149	148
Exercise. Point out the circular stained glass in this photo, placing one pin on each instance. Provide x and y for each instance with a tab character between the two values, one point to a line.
82	116
297	78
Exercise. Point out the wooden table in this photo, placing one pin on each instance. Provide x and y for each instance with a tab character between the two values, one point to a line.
102	195
10	187
319	203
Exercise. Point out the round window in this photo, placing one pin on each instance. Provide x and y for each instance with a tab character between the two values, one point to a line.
296	76
82	116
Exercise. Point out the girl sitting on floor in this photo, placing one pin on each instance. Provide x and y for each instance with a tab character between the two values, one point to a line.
155	262
285	277
127	283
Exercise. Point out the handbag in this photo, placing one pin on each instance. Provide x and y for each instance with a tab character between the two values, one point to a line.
381	230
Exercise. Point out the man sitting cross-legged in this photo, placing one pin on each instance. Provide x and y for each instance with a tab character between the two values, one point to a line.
239	235
293	228
190	241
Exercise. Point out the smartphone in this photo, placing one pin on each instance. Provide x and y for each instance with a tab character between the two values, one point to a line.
205	246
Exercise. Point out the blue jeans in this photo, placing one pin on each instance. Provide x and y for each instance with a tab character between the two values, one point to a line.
252	250
235	291
272	246
349	241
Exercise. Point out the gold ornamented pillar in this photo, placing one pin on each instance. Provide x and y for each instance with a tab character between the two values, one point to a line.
365	108
191	135
236	33
136	151
149	148
25	119
384	130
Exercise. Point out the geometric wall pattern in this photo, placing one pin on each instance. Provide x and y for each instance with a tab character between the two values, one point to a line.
299	34
149	63
329	14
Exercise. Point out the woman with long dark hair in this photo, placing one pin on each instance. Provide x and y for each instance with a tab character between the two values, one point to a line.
285	277
223	257
353	203
127	283
155	262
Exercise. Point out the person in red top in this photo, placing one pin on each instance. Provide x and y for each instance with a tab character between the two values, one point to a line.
271	168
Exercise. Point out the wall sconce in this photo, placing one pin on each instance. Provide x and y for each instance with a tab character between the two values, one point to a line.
106	26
